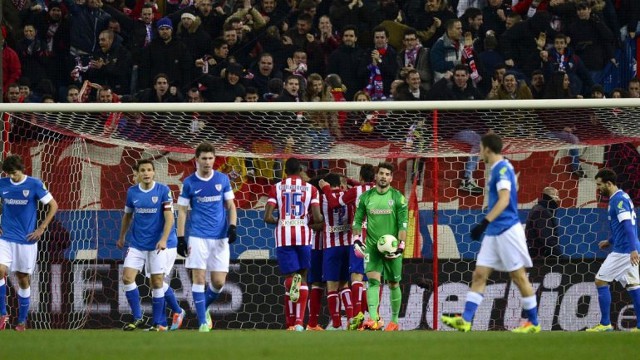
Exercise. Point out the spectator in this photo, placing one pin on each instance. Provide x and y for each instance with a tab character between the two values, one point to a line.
349	62
537	84
414	56
489	59
349	12
323	125
111	64
11	68
542	226
272	14
559	86
328	39
140	31
54	30
392	20
212	19
383	67
290	90
33	54
619	93
87	21
413	89
166	55
592	41
73	94
472	21
455	85
262	73
634	88
597	92
160	92
227	87
48	99
13	93
275	88
447	51
214	64
431	20
511	89
494	16
528	8
302	39
251	16
190	32
523	42
562	58
251	95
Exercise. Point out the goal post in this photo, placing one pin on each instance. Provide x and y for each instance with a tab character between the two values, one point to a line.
85	153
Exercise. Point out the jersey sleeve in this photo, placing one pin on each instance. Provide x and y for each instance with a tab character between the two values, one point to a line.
44	196
185	195
503	181
402	210
623	210
272	195
167	199
128	205
349	197
358	218
315	197
332	201
228	191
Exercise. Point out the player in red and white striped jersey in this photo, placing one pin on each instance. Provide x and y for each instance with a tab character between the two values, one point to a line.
337	248
315	274
356	265
294	199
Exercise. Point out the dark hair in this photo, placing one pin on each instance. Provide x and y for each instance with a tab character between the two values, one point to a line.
12	163
218	42
537	72
380	28
250	90
471	13
451	23
385	165
605	174
492	142
410	31
350	27
554	87
333	179
560	36
158	76
462	67
367	172
292	166
305	17
142	162
205	147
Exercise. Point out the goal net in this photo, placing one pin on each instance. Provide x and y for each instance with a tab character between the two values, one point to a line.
85	153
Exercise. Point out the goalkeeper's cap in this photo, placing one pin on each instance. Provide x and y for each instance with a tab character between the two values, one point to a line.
165	22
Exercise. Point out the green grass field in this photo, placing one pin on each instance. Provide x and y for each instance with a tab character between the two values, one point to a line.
274	344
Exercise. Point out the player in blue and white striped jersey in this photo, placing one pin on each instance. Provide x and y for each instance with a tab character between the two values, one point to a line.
147	225
622	263
19	235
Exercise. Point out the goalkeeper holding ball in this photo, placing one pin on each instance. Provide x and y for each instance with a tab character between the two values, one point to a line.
385	211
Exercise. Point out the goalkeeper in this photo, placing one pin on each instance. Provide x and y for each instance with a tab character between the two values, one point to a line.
386	213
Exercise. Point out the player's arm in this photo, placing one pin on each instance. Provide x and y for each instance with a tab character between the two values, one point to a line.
402	218
233	220
271	205
316	213
184	200
169	221
52	208
358	218
332	201
501	204
626	217
124	227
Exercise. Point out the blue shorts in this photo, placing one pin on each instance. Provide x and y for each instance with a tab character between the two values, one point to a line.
356	264
292	259
335	263
315	272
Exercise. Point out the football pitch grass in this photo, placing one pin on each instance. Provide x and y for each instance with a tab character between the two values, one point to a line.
280	344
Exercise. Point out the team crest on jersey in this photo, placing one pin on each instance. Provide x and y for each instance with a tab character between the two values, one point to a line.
25	193
218	187
390	202
154	199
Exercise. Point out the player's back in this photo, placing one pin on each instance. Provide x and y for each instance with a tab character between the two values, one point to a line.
293	198
502	177
148	208
337	229
621	209
19	207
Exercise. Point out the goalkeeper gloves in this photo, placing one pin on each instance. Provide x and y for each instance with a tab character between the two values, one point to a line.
182	246
358	247
231	234
476	232
397	253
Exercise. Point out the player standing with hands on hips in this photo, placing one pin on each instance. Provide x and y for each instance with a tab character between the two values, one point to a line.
386	213
622	263
212	229
19	235
504	246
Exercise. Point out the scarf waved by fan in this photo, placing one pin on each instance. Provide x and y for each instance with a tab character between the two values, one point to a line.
467	53
412	55
375	87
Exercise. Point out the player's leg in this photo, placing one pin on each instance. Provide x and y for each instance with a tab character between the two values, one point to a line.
304	261
169	295
613	267
393	274
344	289
374	265
156	262
197	262
218	266
6	258
288	264
632	279
25	256
331	274
317	290
133	263
528	298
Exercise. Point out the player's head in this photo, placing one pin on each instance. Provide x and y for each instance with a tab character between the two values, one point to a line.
205	156
606	182
490	144
384	175
367	173
145	171
14	167
292	166
333	179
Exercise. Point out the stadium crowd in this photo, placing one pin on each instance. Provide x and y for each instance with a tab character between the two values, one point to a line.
245	50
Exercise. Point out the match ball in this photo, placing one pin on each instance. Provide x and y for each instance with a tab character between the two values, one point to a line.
387	244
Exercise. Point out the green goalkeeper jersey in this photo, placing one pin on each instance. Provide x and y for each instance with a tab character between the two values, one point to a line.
385	214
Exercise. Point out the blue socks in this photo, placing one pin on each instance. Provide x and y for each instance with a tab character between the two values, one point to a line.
3	297
604	298
635	298
199	302
530	306
133	297
473	300
159	316
170	299
24	297
211	295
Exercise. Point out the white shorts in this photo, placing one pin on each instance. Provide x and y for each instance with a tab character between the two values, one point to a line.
617	266
152	261
208	254
505	252
18	257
